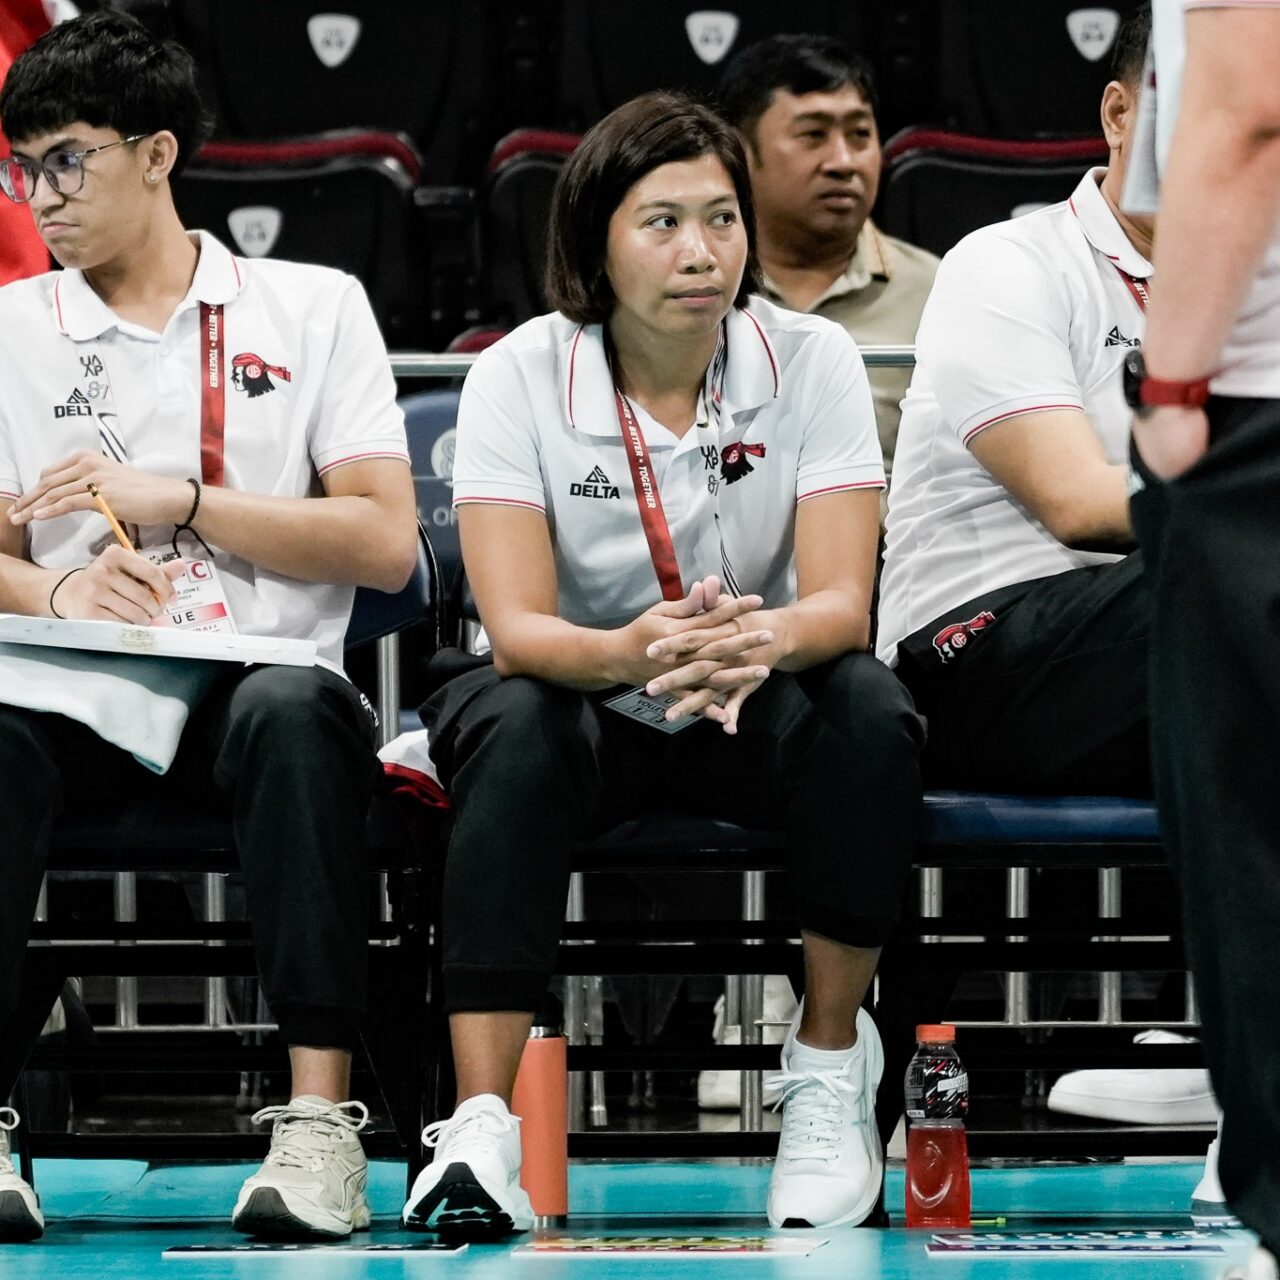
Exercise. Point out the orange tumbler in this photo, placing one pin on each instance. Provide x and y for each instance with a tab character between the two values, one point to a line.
541	1100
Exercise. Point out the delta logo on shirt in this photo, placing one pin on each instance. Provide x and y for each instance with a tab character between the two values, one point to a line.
77	406
596	485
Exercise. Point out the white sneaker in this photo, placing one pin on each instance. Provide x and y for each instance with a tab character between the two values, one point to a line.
830	1163
1139	1095
722	1090
1208	1205
312	1182
20	1216
1261	1266
471	1189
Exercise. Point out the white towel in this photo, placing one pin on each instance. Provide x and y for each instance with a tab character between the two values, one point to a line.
139	704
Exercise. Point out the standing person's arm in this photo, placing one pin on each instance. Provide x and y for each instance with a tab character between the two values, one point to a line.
1219	207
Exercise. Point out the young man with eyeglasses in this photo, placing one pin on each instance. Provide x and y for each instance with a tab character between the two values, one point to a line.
118	372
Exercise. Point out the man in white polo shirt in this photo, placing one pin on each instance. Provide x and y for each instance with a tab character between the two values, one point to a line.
1207	476
1011	602
1008	530
242	415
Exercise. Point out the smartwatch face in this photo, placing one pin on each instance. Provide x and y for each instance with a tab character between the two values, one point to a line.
1134	370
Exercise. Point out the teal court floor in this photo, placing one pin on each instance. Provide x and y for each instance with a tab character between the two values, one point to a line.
111	1219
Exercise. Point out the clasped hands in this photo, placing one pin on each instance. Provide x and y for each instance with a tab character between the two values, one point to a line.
704	648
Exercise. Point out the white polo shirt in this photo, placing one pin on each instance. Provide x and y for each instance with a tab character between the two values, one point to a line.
1027	315
1250	360
337	405
538	427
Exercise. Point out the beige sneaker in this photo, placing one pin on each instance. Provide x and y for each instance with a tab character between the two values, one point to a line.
313	1181
20	1216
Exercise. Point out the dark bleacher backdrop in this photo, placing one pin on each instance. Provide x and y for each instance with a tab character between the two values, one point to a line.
377	124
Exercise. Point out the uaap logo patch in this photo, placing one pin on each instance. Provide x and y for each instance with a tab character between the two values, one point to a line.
735	460
252	374
952	640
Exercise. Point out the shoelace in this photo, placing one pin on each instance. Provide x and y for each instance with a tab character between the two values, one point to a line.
8	1123
304	1131
475	1129
818	1104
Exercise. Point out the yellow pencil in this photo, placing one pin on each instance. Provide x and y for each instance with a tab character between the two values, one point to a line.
117	528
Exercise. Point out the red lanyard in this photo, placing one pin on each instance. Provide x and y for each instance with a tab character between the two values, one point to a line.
1136	287
213	405
652	517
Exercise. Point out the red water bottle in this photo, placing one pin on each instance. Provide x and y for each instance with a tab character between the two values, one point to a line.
541	1100
937	1096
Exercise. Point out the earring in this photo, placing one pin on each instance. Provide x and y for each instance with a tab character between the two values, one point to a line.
152	177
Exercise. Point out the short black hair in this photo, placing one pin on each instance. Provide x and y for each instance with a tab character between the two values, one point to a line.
631	141
108	70
1129	53
798	63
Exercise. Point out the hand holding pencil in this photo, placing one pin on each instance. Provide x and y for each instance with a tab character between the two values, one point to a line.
119	586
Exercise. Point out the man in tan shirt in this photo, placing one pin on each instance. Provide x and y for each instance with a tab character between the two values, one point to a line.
806	109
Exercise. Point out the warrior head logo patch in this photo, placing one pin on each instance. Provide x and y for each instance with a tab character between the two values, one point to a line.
952	640
252	374
734	460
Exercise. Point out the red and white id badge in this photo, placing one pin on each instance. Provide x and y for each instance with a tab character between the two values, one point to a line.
199	602
649	710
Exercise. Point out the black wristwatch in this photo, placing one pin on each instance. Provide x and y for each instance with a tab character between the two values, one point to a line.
1143	393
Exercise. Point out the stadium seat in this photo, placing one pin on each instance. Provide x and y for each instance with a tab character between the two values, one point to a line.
452	75
937	186
515	208
613	52
1027	70
343	200
430	418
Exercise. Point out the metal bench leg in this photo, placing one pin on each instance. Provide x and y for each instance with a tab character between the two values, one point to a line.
215	912
126	910
931	898
751	1109
575	1011
599	1107
1110	1009
1017	996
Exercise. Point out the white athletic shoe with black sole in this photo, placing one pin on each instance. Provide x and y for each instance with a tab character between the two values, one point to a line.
1209	1206
830	1162
312	1183
20	1216
471	1189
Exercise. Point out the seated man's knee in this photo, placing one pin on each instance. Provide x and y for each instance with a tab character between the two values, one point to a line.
859	690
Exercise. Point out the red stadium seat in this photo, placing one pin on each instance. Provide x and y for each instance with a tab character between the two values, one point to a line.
515	207
343	200
939	186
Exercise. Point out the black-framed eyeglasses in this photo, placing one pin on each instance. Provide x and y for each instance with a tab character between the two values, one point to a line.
63	170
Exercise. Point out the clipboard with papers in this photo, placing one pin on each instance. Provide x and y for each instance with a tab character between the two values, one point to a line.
157	642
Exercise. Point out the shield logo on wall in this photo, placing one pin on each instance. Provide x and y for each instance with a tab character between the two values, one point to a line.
255	229
1093	31
712	33
333	36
